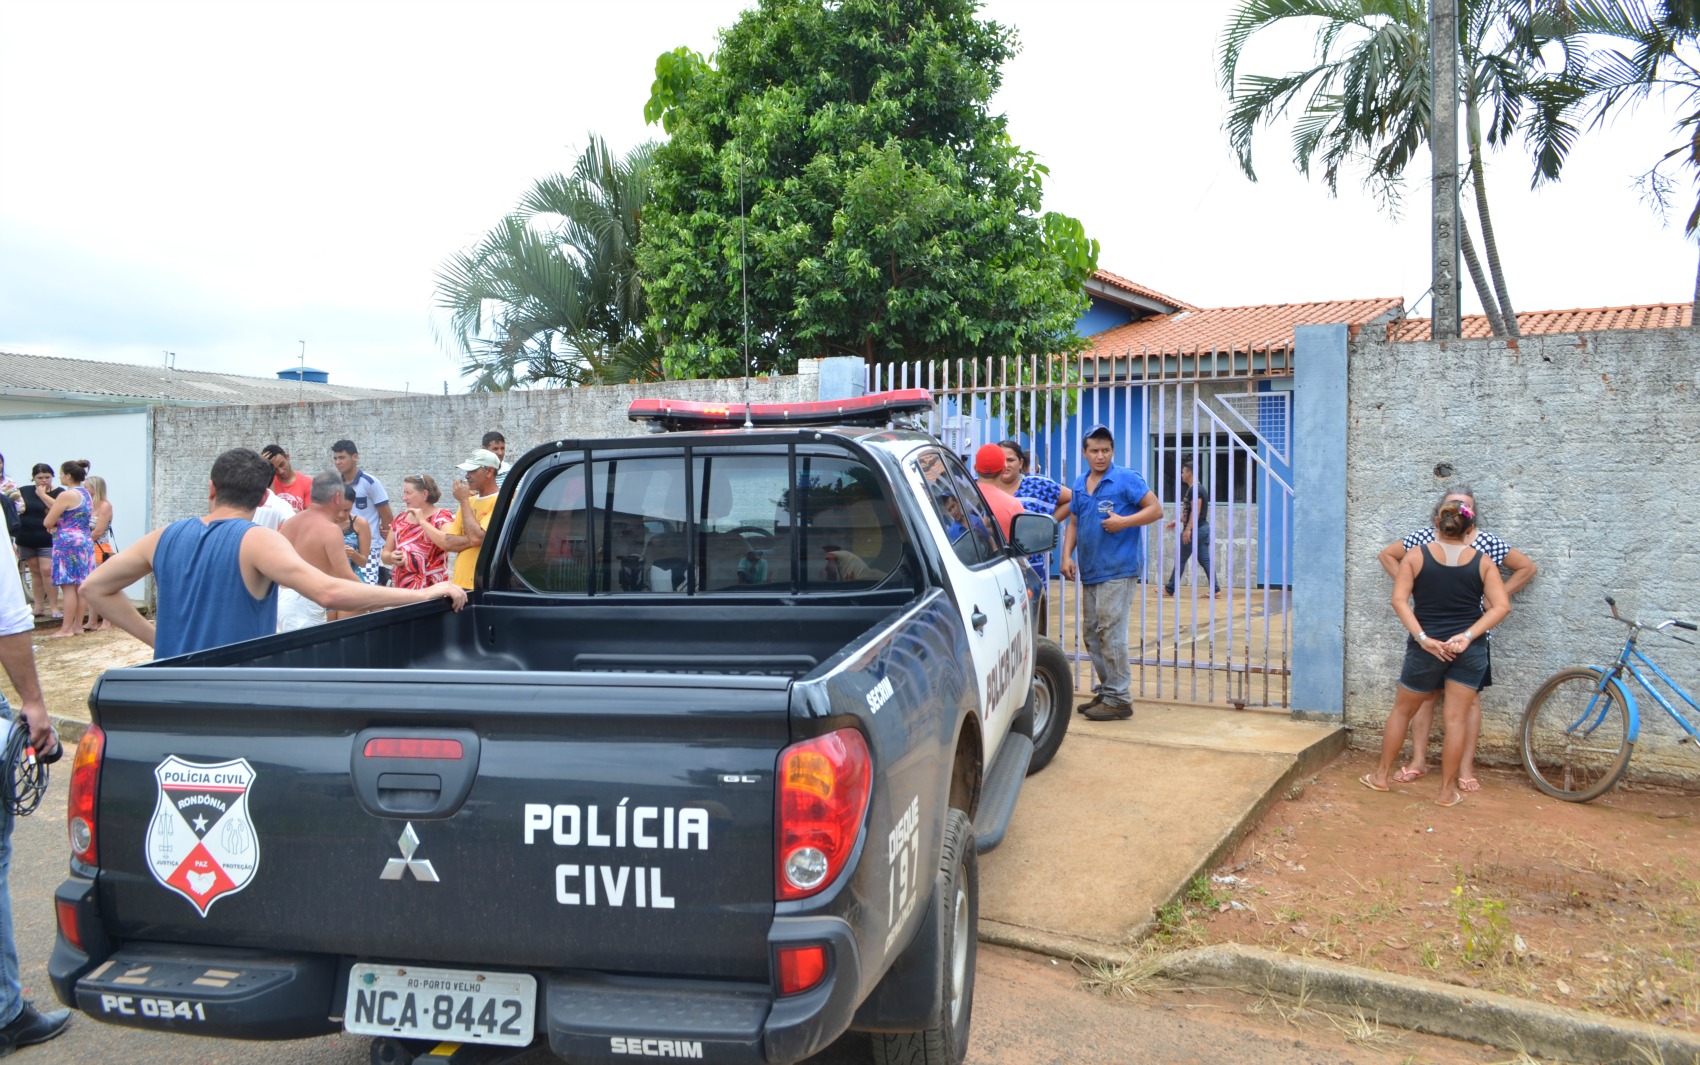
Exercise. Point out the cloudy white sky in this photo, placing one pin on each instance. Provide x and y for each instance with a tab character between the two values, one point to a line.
226	180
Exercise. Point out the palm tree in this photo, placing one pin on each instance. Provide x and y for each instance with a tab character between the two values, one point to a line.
551	294
1367	100
1641	50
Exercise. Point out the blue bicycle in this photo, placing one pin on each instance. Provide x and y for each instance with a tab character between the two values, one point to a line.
1581	725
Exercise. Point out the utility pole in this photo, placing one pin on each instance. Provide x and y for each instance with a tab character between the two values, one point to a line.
1443	146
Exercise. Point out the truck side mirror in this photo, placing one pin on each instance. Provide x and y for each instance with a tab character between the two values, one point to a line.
1031	534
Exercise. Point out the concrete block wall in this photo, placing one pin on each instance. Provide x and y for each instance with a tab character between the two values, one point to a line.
1585	454
416	434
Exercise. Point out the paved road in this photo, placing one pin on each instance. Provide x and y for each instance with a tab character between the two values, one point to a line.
1028	1010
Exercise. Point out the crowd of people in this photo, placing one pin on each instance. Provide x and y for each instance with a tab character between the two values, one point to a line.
278	550
59	533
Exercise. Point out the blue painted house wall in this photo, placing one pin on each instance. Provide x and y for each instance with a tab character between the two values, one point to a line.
1102	315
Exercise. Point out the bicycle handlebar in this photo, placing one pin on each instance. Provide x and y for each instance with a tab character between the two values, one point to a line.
1660	627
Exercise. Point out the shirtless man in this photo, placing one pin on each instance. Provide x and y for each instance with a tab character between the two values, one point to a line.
316	535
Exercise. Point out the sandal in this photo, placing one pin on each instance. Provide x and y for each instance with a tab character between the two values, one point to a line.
1407	775
1370	784
1469	784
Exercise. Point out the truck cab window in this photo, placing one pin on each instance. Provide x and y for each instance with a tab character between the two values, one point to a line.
721	523
960	508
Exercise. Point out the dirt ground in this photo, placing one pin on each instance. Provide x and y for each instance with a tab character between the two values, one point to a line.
69	667
1594	906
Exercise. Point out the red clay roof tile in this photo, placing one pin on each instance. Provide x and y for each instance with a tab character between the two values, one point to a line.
1267	327
1140	290
1545	323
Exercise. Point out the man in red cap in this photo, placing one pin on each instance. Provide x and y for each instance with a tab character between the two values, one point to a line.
988	465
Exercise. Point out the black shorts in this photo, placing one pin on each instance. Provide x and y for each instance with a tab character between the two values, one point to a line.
1423	673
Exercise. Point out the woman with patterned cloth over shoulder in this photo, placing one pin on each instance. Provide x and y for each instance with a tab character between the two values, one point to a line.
413	555
70	518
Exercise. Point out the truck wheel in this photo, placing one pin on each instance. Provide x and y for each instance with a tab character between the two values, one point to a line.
1045	717
958	917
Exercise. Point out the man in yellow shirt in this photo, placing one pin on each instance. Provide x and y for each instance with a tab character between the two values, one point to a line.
477	495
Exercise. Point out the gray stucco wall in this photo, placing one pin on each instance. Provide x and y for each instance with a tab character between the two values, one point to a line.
415	434
1583	451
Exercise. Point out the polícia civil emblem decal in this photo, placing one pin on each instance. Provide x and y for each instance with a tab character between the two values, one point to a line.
200	841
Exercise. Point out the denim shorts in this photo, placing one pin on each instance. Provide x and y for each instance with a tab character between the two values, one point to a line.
34	552
1423	673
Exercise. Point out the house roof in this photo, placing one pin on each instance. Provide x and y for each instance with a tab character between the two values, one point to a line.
49	377
1262	328
1116	281
1540	323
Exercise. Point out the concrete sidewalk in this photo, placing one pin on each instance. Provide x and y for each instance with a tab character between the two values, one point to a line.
1130	811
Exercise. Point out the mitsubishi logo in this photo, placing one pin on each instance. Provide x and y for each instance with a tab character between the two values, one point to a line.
398	868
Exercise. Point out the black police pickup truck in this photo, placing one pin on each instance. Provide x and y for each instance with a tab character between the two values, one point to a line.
700	773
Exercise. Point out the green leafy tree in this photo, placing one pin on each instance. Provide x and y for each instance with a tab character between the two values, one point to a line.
1636	51
550	296
1366	101
842	156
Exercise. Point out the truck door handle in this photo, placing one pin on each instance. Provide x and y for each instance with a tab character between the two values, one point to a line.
1008	601
979	620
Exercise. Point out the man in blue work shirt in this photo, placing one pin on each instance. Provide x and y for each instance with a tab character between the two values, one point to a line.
1111	506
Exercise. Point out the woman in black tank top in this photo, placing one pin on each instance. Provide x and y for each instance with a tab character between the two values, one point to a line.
1438	594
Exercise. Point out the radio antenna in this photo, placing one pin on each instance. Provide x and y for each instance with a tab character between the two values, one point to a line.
744	280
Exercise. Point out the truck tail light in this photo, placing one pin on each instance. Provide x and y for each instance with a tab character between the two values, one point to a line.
823	793
800	968
66	910
85	783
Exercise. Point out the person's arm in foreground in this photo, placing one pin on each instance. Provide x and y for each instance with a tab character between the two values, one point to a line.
18	659
105	587
270	554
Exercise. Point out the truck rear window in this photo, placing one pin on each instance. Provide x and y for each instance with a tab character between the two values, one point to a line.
687	524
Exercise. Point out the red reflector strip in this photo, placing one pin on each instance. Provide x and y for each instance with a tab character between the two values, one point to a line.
67	913
800	968
402	747
876	408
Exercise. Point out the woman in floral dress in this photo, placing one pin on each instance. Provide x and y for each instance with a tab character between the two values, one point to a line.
415	557
70	518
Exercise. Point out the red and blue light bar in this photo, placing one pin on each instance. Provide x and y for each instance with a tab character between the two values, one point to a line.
874	409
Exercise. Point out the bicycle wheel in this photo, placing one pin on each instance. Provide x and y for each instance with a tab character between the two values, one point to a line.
1576	737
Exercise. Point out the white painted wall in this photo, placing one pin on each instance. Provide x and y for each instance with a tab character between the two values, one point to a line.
118	445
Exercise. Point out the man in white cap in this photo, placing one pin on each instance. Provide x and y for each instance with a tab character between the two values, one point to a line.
477	495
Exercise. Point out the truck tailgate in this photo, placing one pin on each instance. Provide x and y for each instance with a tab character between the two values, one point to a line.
609	822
